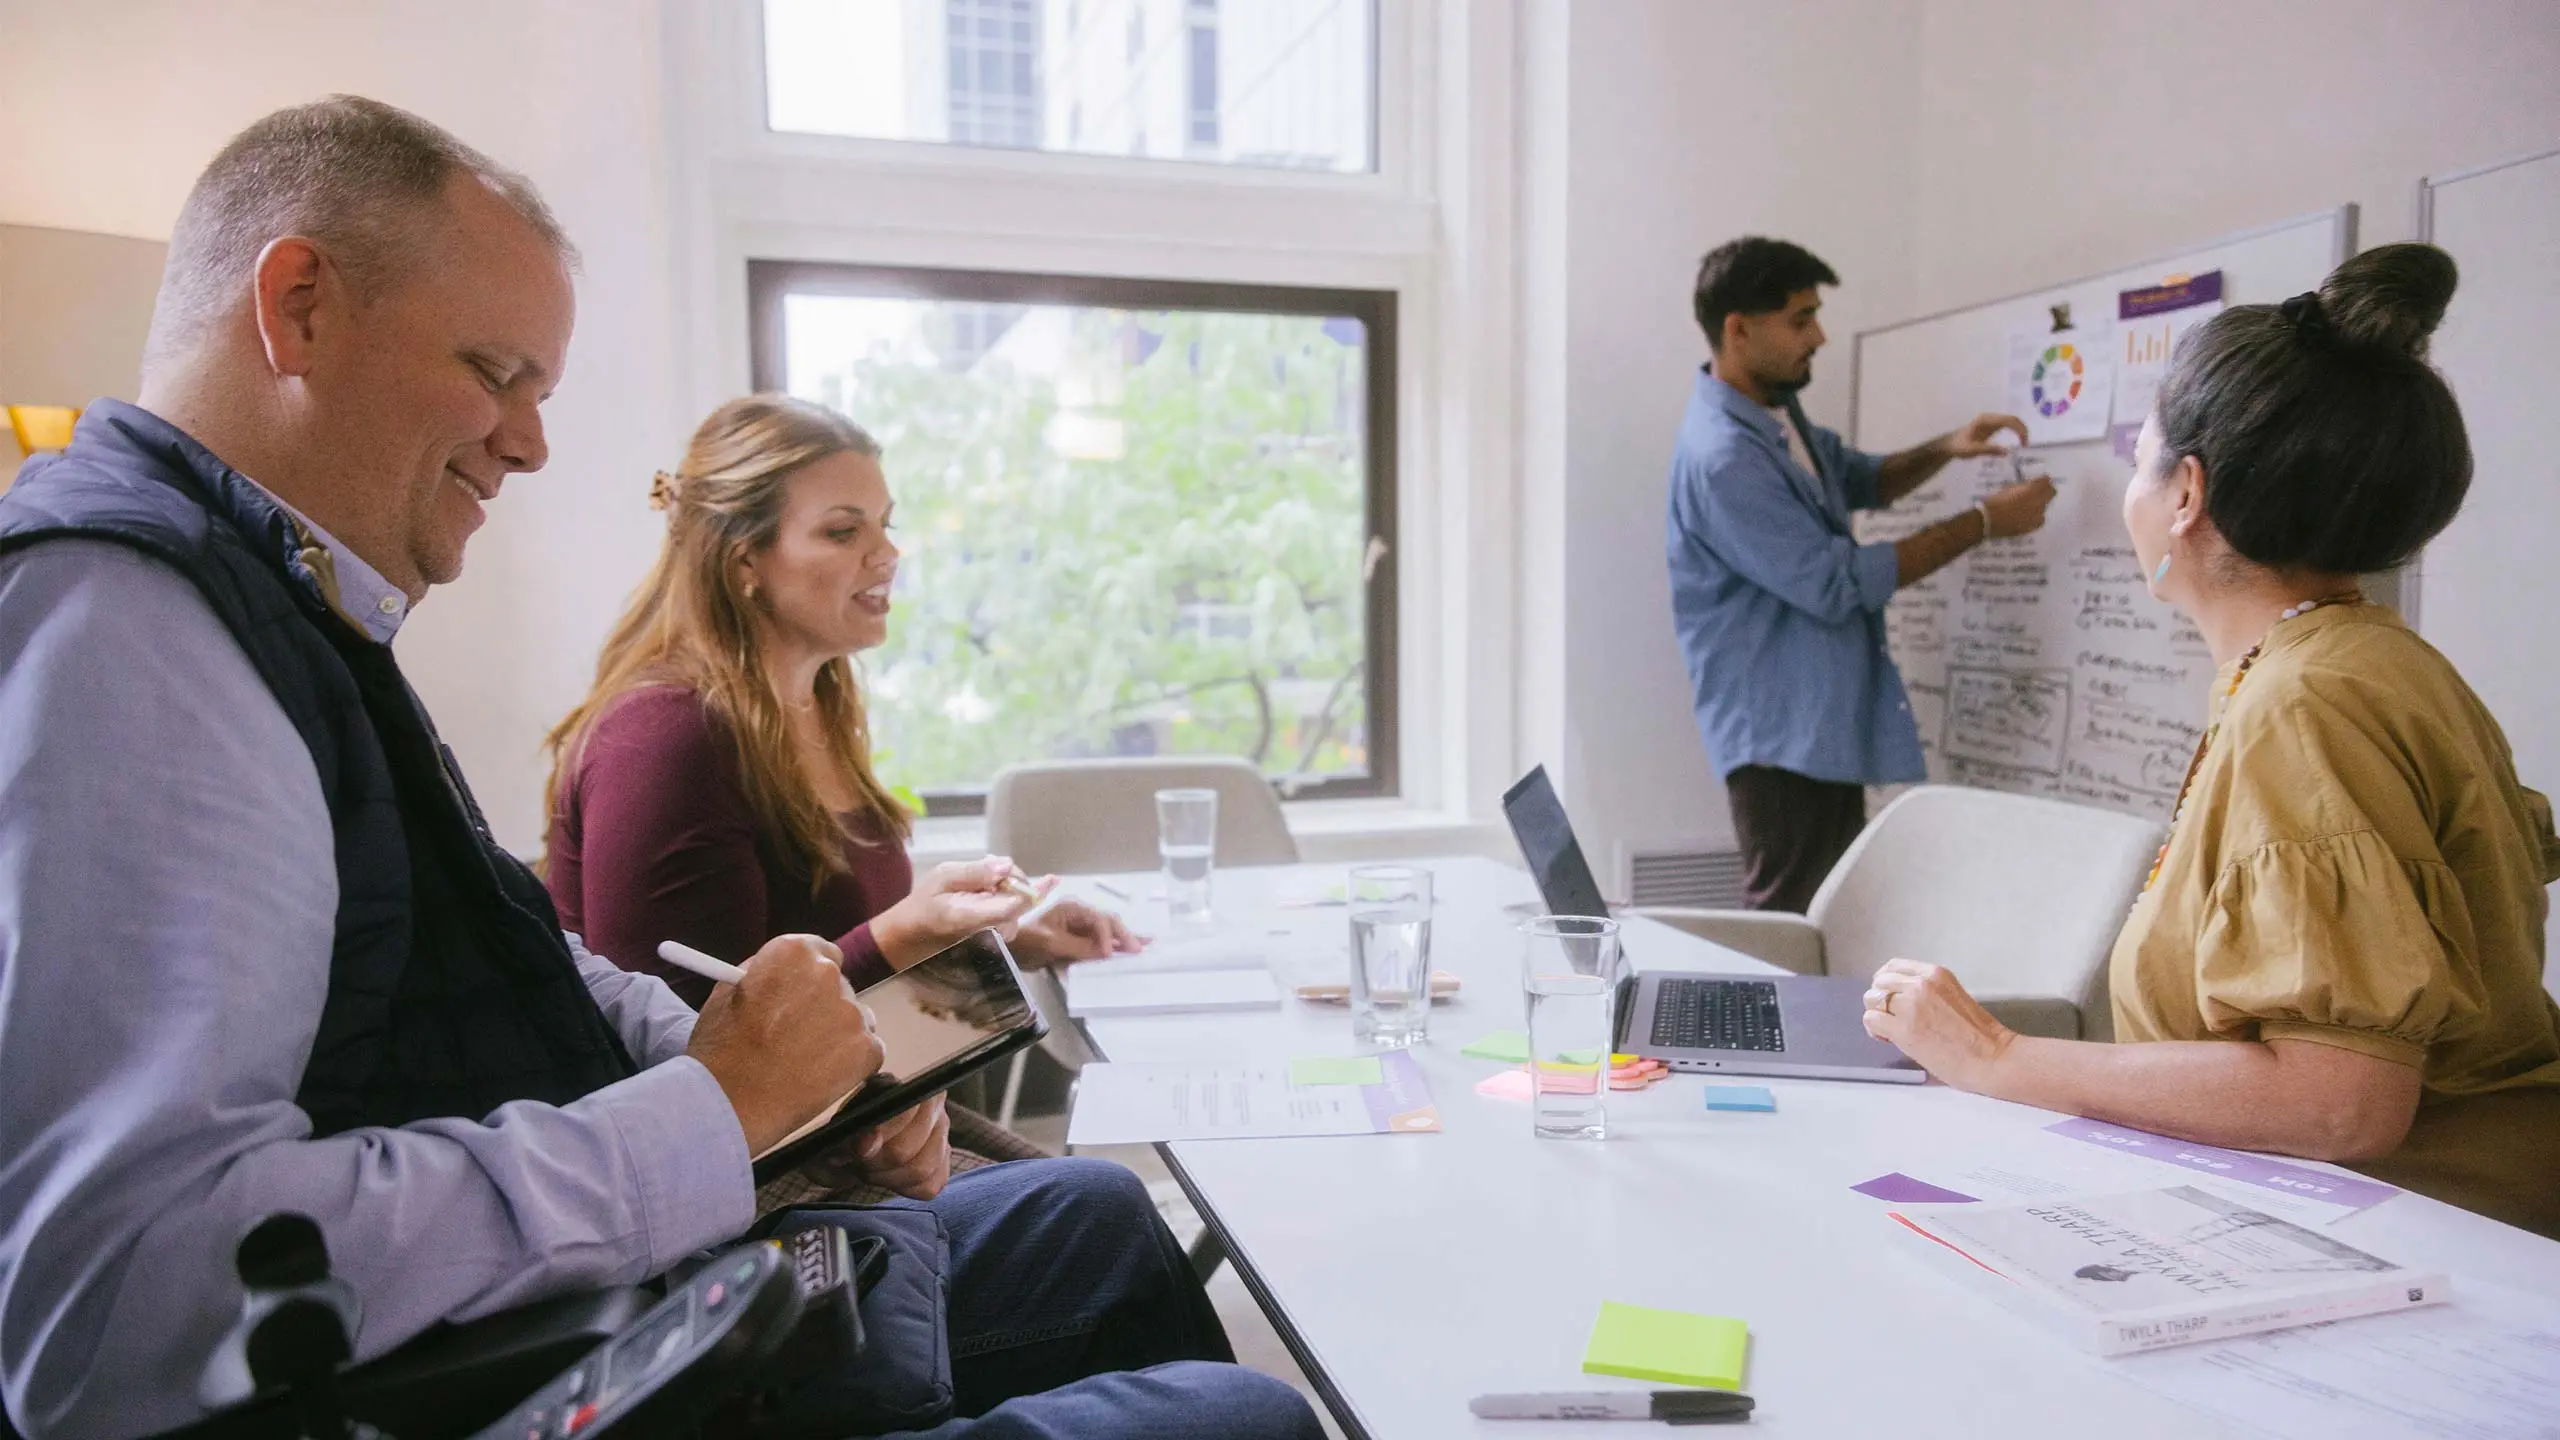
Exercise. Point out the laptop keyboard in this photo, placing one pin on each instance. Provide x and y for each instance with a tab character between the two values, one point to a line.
1718	1015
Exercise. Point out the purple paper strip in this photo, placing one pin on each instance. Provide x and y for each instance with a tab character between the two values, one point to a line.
1405	1093
2125	438
2351	1191
1900	1189
2201	289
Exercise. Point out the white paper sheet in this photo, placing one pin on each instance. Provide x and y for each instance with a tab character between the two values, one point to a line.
1092	992
2486	1365
2060	383
1127	1104
2039	1165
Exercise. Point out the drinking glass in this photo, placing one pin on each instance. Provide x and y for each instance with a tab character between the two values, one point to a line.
1390	954
1569	968
1187	840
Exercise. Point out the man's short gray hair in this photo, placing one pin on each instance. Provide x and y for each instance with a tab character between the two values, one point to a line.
364	179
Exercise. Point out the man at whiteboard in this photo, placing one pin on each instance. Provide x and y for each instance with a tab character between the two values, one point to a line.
1780	610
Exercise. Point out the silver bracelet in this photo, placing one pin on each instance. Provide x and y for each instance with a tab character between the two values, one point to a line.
1983	508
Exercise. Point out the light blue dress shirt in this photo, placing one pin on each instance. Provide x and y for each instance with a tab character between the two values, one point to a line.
167	902
1779	609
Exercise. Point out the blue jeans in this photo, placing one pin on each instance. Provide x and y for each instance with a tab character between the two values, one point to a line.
1074	1316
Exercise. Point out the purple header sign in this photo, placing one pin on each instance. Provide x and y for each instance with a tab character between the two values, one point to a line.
2354	1192
2201	289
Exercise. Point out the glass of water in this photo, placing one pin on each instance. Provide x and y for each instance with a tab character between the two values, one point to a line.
1187	840
1390	954
1569	966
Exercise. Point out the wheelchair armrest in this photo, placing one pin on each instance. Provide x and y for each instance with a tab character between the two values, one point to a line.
455	1379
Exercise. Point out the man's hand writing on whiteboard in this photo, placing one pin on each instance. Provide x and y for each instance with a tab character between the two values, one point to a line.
2018	509
1980	436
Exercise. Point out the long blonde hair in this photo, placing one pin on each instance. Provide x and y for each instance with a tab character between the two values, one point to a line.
691	624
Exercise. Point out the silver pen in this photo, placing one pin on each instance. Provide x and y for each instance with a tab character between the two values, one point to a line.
1677	1407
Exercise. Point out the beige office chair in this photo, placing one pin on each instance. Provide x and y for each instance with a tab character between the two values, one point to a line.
2020	897
1094	817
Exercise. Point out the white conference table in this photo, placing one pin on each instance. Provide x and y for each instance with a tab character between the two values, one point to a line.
1410	1272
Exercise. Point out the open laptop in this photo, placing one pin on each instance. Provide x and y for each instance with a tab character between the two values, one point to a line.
1801	1025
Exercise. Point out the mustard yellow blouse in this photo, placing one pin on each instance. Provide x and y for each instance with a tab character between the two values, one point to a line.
2358	866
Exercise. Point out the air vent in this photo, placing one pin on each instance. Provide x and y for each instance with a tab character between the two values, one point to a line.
1707	879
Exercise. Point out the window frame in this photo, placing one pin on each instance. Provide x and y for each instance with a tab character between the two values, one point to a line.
771	282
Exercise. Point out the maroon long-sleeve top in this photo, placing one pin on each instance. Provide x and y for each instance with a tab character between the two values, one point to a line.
653	838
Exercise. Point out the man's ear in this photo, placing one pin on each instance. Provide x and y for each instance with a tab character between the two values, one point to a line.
1735	324
294	280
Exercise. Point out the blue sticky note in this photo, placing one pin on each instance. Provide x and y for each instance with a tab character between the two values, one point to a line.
1740	1097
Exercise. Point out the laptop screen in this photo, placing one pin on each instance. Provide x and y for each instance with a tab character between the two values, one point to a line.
1546	842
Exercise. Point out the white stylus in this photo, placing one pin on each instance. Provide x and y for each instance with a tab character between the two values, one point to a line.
685	957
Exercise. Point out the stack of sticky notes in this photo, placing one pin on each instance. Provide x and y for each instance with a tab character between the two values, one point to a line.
1741	1097
1633	1072
1508	1046
1669	1346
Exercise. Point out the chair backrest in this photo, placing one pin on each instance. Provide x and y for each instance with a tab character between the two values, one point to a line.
2016	895
1090	817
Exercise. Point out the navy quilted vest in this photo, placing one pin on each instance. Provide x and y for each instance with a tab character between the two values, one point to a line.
451	991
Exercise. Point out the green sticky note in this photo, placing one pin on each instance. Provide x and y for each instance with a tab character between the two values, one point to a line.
1511	1047
1670	1346
1337	1070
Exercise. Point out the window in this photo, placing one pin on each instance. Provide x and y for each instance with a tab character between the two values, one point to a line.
1204	76
1279	83
1141	517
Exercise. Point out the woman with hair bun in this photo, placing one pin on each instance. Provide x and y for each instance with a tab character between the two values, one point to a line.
2339	951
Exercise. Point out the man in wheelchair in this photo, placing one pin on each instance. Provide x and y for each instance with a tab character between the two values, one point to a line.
260	955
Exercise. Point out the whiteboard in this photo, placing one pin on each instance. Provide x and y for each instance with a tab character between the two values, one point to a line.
2486	589
2041	664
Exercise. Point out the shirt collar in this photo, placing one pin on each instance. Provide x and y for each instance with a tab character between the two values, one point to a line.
1714	389
373	603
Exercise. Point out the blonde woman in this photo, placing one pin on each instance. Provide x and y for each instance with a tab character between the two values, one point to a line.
715	787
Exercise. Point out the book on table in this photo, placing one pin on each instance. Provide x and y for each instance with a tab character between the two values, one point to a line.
2124	1273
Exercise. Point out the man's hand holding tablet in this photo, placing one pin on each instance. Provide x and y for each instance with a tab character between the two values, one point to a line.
786	1041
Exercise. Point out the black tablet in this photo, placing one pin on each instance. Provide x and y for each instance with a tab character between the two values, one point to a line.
938	1021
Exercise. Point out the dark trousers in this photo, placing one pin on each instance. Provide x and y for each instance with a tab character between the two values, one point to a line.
1792	830
1075	1316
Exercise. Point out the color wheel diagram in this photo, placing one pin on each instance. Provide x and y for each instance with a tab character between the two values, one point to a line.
2055	384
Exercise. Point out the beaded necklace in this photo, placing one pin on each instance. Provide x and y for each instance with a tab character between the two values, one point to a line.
2239	673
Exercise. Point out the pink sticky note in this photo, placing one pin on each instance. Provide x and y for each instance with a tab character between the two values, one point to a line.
1508	1085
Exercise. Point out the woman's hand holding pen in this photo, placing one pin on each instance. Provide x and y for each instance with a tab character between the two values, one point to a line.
953	901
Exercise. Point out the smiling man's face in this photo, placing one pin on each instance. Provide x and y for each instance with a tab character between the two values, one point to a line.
433	394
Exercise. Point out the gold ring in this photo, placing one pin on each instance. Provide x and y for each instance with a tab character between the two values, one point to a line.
1888	1002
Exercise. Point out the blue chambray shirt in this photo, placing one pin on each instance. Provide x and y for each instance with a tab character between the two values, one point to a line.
1780	611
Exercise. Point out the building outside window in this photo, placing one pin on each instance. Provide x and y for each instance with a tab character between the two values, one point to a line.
1282	83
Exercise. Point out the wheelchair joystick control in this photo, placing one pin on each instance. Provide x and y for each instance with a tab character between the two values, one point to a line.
296	1328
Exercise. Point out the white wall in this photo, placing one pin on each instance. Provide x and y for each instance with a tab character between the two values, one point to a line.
112	106
1692	123
2059	140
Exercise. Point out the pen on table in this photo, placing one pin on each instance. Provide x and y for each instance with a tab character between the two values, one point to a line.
1677	1407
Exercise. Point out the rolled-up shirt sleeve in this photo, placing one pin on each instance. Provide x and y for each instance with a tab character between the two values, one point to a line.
1753	519
167	900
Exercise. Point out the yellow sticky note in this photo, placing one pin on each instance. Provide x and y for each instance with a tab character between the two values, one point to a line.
1670	1346
1337	1070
